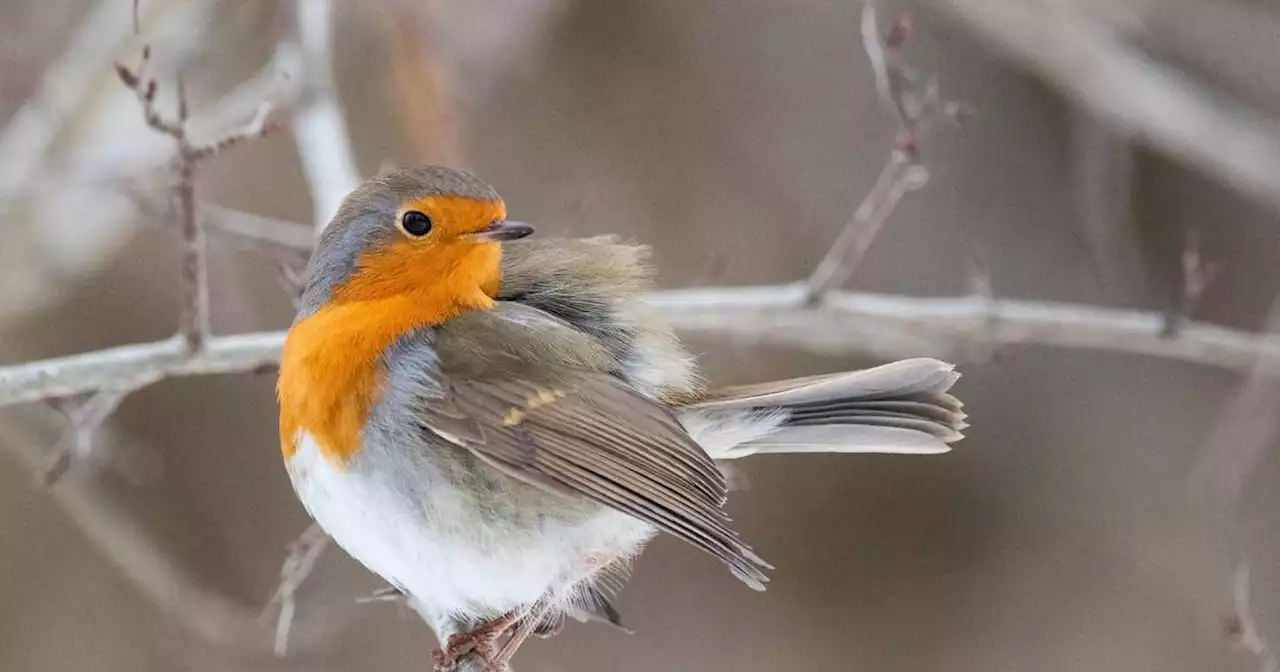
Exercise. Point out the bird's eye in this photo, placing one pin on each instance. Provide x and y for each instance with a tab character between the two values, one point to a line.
416	224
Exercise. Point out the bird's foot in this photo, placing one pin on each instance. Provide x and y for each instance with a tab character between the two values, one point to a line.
482	641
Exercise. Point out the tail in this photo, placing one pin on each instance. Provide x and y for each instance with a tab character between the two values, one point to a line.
903	407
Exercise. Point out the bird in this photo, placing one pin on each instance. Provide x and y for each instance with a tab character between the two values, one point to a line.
496	425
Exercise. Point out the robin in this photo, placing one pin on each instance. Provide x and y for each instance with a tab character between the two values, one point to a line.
497	426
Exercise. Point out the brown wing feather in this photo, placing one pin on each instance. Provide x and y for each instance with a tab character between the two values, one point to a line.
592	437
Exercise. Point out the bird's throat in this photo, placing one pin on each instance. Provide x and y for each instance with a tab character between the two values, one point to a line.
330	368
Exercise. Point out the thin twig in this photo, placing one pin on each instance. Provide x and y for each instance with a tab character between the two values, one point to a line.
915	100
298	564
1240	438
1197	275
1242	434
1242	626
193	318
253	231
85	420
899	176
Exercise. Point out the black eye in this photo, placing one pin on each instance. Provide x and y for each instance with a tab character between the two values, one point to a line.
416	223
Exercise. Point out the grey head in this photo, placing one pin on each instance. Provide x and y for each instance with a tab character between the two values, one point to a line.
367	219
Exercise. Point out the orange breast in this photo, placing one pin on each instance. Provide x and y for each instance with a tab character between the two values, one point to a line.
330	371
328	379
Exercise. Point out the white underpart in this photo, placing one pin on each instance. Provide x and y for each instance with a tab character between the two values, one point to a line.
443	552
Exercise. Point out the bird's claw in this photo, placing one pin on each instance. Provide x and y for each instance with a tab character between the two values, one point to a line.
482	642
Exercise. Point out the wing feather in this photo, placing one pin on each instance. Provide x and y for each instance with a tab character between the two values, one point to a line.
590	436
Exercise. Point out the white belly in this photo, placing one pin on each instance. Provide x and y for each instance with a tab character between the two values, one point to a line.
445	547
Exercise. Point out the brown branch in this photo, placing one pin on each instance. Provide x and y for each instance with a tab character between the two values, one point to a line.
193	319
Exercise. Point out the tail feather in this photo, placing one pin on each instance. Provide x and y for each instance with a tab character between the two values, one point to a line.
902	407
895	380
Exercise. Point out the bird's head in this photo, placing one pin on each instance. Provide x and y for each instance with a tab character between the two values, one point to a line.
428	232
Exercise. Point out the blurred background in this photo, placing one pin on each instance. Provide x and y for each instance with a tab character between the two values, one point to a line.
735	138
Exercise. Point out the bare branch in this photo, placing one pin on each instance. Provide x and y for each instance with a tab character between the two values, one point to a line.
1238	441
1241	626
916	101
145	88
293	279
1197	275
256	127
298	564
385	594
193	320
319	127
86	421
1138	96
253	231
1241	435
136	366
888	325
844	323
899	176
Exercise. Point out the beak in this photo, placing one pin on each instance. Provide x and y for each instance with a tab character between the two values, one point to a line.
501	230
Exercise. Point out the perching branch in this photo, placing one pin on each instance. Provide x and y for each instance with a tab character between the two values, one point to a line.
844	323
136	366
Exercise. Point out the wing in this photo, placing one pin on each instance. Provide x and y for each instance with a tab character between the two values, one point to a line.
590	436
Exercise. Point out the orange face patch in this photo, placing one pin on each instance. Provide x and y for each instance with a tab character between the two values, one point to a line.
329	368
454	216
